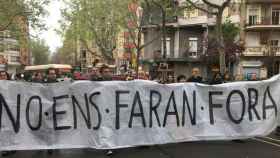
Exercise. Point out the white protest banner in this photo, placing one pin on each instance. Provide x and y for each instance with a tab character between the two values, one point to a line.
107	115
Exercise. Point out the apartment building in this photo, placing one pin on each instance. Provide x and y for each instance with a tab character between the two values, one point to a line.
9	52
187	41
87	56
261	38
124	53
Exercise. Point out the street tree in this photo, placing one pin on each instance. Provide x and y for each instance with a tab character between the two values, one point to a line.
17	16
143	13
97	21
67	53
216	8
12	11
40	51
233	47
135	23
168	11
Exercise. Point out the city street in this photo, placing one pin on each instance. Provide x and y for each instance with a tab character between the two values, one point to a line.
267	147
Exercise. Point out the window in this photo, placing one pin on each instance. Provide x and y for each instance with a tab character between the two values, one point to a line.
7	34
13	47
264	38
15	59
167	47
253	16
274	43
84	53
191	13
193	46
275	16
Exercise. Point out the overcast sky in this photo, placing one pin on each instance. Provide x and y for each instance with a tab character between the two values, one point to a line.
51	37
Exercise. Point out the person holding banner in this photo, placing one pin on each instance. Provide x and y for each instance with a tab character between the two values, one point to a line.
227	78
37	78
94	74
106	73
181	79
195	76
51	76
5	76
217	79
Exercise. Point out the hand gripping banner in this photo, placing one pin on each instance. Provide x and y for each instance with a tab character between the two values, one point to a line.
108	115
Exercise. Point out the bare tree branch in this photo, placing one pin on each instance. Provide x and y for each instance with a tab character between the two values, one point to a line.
84	43
200	8
211	4
226	3
157	4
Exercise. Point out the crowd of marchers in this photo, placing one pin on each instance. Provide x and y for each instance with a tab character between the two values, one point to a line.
104	73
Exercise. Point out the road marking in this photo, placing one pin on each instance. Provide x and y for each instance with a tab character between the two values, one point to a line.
263	141
276	140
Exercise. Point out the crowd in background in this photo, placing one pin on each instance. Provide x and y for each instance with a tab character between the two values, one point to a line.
104	73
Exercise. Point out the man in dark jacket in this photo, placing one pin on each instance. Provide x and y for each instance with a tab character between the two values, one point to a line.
195	76
94	75
51	78
217	79
106	73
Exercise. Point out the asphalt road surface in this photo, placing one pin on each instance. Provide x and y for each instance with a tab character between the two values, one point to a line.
266	147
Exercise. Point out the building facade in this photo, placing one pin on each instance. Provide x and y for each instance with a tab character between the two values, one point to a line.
187	42
88	56
261	37
127	41
124	53
9	52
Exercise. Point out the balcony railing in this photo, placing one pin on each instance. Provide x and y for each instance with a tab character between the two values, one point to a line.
182	57
275	51
262	51
264	21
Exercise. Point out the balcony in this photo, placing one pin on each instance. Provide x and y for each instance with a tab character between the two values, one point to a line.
261	51
199	20
263	24
184	57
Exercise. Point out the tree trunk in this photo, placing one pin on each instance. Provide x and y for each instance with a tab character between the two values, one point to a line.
220	40
76	46
164	33
138	51
108	58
